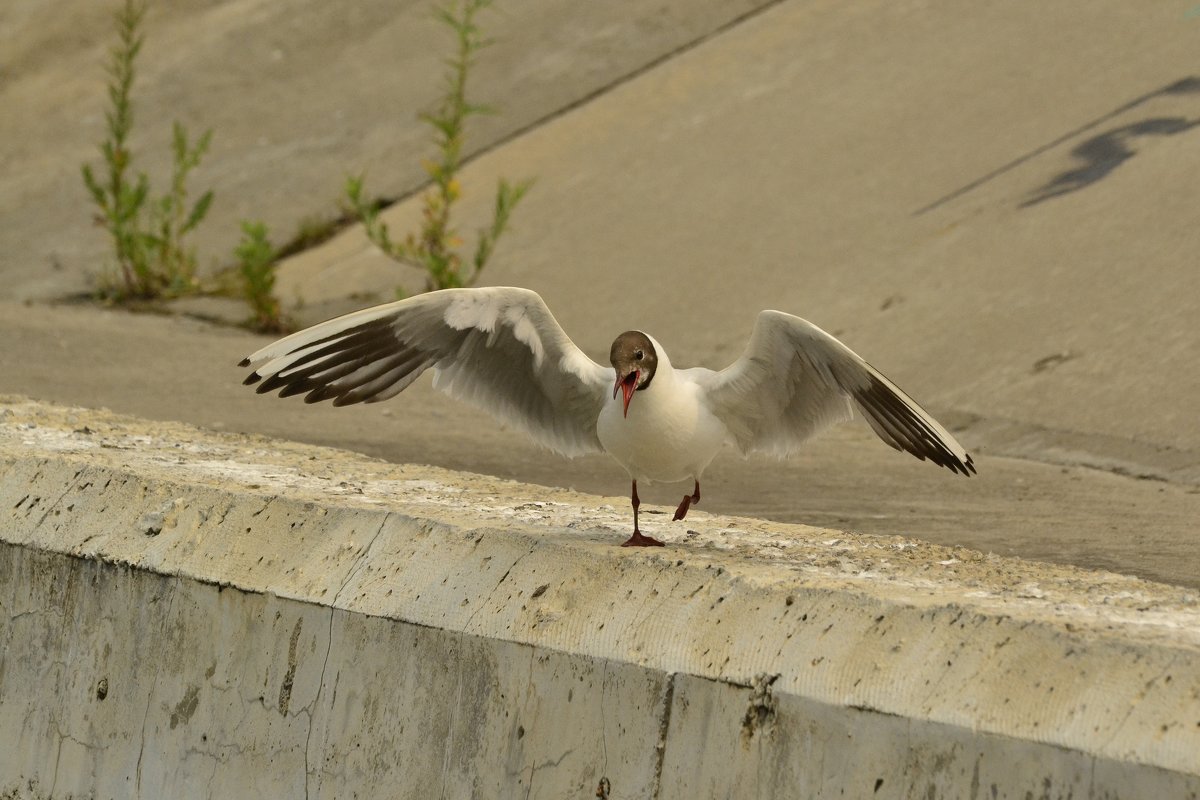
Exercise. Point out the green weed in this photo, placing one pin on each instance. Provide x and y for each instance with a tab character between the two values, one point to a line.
152	258
434	248
256	266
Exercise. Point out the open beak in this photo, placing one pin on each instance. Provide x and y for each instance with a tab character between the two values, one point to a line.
627	385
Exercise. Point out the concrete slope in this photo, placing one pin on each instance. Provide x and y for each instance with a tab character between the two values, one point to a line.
989	204
299	96
196	615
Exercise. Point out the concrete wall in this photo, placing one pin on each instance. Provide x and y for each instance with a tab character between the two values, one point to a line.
186	614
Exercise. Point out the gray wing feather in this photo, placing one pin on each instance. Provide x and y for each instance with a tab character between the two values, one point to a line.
794	380
497	348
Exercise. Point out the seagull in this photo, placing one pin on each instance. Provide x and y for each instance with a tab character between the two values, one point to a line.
502	350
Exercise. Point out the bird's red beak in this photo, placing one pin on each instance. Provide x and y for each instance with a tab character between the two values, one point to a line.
627	385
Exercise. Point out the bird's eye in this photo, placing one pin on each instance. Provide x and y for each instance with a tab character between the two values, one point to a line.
638	355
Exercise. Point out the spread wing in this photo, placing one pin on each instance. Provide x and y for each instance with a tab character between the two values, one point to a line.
794	380
498	348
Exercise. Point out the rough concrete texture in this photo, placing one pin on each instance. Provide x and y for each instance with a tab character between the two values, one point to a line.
193	614
993	205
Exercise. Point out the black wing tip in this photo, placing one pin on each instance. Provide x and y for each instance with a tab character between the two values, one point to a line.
252	379
245	362
959	466
923	442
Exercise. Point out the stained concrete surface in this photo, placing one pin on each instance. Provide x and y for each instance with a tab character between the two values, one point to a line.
870	167
202	612
215	692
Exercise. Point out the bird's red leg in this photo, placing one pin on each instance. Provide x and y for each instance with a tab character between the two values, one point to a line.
637	539
688	501
636	502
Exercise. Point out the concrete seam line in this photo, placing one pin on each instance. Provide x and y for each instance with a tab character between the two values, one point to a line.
595	94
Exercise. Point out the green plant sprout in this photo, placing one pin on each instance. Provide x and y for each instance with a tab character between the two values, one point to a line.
148	236
434	249
256	265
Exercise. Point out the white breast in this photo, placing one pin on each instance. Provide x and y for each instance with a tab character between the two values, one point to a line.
669	434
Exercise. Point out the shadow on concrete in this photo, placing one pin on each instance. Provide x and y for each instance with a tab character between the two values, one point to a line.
1104	153
1188	85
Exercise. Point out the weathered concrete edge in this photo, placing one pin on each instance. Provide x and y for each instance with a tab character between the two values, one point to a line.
1098	663
220	692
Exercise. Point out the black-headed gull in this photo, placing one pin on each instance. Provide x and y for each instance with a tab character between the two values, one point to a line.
502	350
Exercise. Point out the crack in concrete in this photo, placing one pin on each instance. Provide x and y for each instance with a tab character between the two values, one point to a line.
310	709
57	759
171	588
547	764
362	560
142	748
212	776
66	737
216	753
467	625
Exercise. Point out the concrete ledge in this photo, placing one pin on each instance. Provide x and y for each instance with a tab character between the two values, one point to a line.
194	614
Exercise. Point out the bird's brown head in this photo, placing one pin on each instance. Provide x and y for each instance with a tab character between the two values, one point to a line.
634	358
